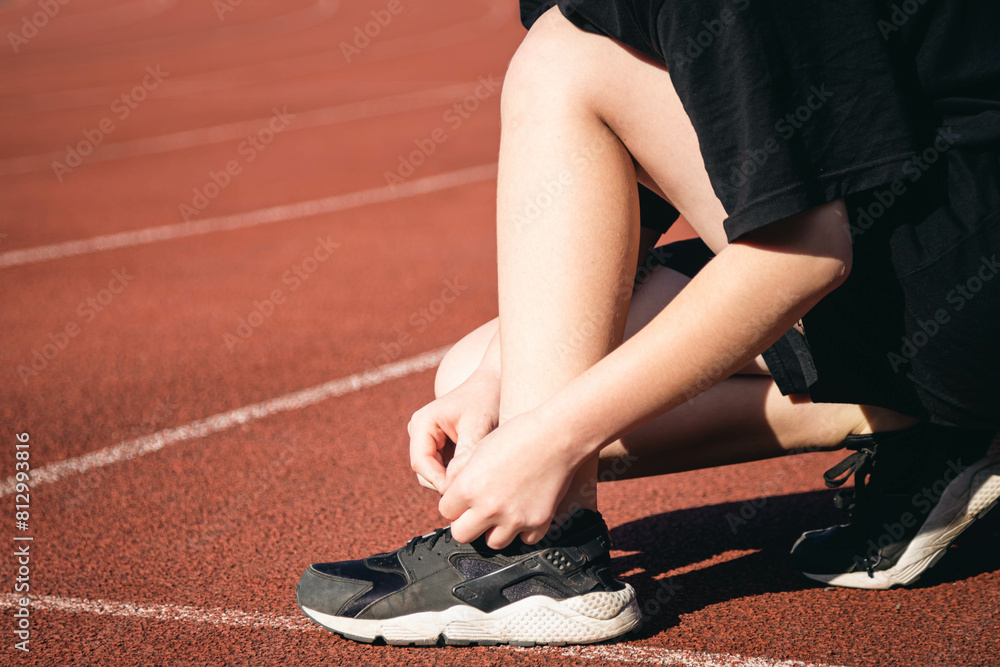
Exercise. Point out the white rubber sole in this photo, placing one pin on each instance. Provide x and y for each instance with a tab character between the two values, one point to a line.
584	619
969	496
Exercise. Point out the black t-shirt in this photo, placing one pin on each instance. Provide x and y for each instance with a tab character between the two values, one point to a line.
893	105
805	102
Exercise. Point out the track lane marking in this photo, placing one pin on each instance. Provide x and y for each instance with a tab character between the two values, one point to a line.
163	612
319	13
323	62
671	657
239	618
262	216
304	120
296	400
93	20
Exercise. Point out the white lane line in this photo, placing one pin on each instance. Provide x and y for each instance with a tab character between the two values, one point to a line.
130	449
103	50
661	656
270	71
238	618
302	120
107	18
163	612
262	216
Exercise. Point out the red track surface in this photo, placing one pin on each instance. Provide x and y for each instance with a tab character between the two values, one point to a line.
228	521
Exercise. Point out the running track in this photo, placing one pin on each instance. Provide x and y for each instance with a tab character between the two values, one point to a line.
180	486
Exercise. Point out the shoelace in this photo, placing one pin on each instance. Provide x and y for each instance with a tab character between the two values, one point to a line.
430	539
860	465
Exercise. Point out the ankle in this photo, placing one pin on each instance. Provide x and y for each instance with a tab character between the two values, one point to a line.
582	492
568	519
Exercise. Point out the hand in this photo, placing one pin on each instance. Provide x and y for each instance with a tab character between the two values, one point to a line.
452	424
511	483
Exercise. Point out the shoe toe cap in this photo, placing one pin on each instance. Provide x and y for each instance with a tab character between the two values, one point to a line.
827	551
322	588
345	588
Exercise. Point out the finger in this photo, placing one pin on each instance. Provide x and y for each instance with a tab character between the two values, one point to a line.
468	527
425	457
534	528
472	429
455	468
447	452
500	536
452	504
533	535
424	483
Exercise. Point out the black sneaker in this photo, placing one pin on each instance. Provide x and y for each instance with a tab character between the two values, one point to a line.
558	591
915	491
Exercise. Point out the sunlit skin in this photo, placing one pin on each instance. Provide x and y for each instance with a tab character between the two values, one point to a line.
532	414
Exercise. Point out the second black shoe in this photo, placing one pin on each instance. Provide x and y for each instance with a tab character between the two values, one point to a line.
916	490
559	591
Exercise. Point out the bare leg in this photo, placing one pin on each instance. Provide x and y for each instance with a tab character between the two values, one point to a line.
560	312
744	418
577	109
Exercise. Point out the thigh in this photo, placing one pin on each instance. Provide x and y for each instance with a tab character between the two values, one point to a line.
743	418
636	99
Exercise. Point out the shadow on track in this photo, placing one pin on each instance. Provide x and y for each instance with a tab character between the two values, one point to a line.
667	545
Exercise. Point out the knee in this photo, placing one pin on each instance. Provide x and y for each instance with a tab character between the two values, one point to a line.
548	69
462	359
616	463
453	370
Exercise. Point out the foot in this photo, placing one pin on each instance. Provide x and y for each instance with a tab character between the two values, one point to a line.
916	490
434	589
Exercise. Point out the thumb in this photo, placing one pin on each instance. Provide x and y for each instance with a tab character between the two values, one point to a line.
455	467
428	485
472	429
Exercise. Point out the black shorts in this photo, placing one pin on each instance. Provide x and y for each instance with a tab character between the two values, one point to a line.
924	343
654	211
789	359
800	103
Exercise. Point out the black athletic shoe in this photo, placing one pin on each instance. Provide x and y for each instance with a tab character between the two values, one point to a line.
558	591
915	491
